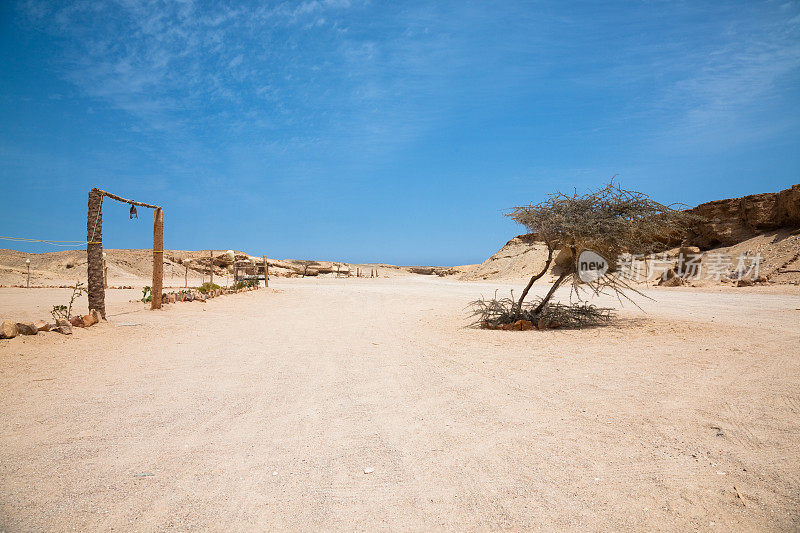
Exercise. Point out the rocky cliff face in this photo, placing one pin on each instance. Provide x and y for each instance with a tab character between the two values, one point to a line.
766	224
727	222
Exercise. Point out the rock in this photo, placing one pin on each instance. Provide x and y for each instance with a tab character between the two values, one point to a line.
8	330
41	325
76	322
66	329
727	222
562	261
671	282
564	257
542	324
171	299
88	320
670	279
689	251
97	316
519	325
744	283
27	328
62	322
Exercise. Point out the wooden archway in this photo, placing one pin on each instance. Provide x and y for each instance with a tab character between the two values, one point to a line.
94	249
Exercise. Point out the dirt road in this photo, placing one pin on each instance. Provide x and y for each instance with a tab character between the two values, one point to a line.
265	410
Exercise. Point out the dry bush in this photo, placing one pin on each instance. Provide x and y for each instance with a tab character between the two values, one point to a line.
493	313
610	222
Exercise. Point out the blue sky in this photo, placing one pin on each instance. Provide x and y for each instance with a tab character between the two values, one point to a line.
382	131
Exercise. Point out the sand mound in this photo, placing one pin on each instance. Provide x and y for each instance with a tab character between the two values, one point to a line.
521	257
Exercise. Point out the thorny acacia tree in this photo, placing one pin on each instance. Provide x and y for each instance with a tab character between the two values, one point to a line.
611	221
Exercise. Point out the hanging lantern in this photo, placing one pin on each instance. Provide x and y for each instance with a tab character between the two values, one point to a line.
133	212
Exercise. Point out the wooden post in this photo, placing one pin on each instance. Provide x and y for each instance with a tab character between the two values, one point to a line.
158	258
186	276
94	252
211	267
266	272
105	271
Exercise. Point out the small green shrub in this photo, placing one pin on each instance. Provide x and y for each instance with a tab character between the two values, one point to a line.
63	311
246	283
206	287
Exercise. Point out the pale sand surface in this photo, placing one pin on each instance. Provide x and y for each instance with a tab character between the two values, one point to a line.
261	411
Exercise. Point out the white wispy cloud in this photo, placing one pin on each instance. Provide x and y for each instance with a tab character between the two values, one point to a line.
342	76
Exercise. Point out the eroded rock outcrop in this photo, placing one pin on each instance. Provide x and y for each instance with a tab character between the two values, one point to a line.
727	222
723	223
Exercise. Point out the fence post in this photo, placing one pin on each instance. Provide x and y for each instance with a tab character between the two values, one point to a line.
158	258
94	252
266	272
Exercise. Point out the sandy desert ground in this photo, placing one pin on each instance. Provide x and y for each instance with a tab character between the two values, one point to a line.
264	410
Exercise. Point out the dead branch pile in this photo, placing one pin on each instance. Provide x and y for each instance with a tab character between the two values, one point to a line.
495	313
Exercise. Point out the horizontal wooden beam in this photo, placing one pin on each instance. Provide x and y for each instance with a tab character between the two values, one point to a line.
126	201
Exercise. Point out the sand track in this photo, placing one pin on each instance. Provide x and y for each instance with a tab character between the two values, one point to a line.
671	420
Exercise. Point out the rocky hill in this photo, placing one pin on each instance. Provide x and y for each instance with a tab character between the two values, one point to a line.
731	221
765	224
